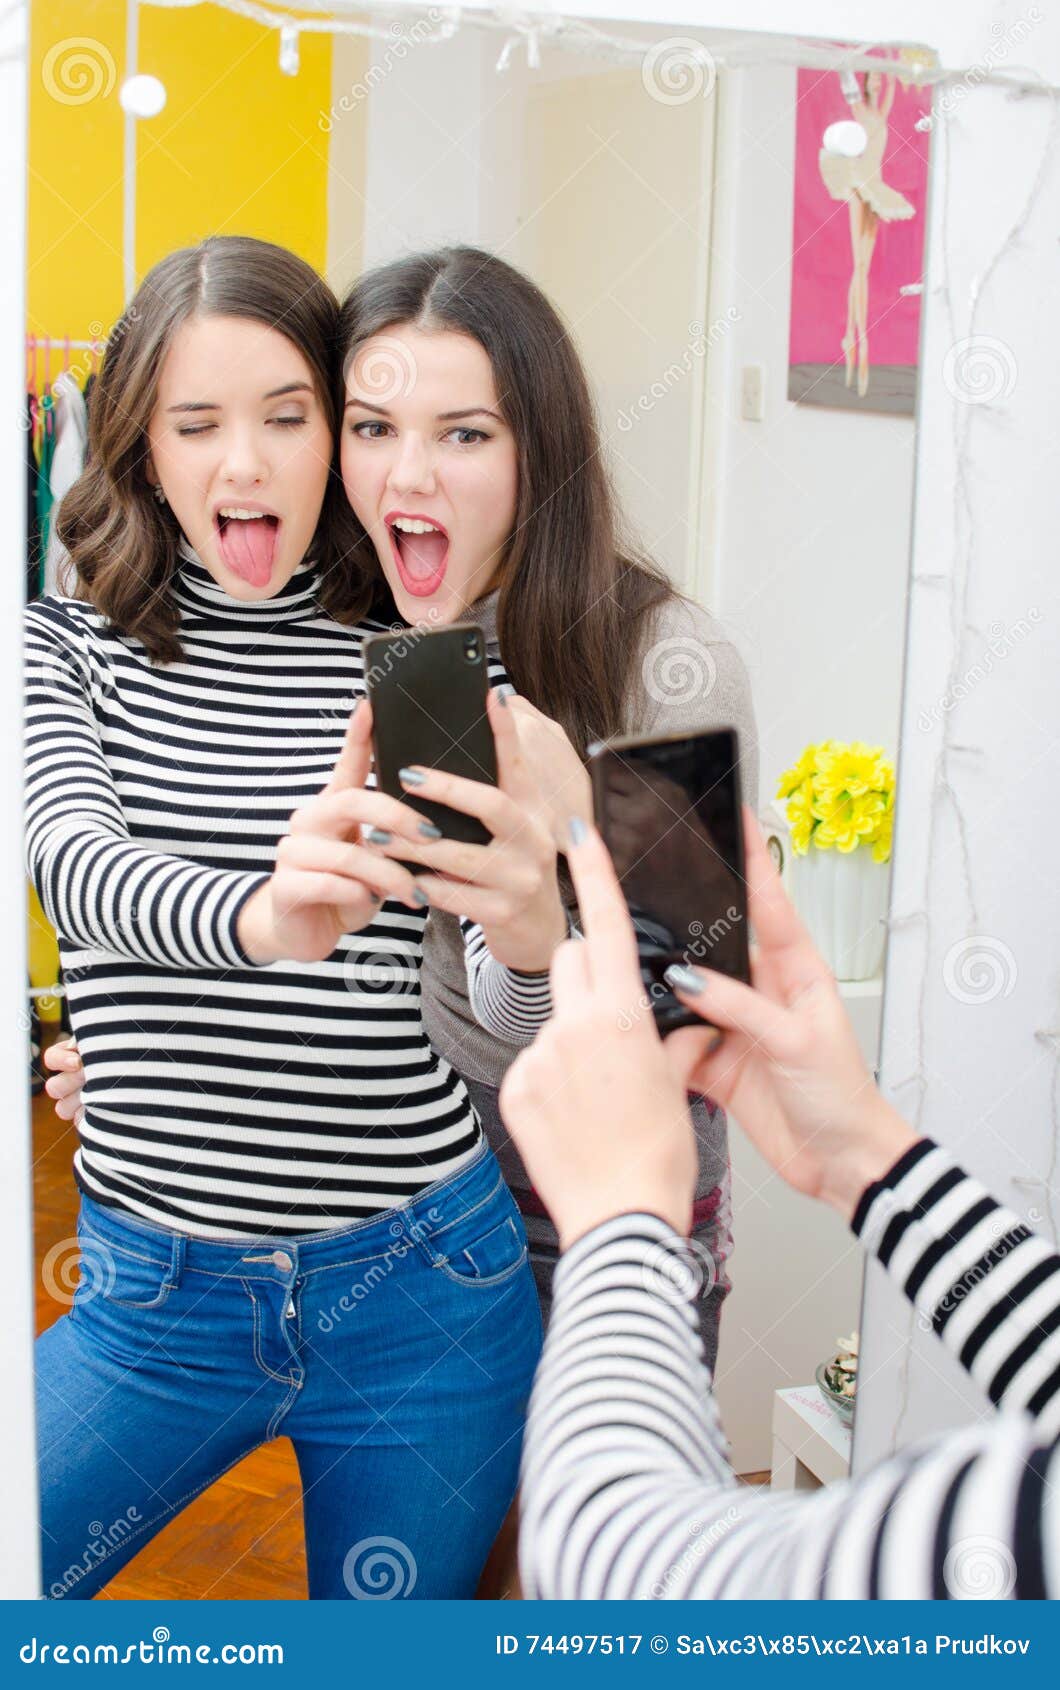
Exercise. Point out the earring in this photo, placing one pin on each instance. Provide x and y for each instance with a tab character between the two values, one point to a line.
160	494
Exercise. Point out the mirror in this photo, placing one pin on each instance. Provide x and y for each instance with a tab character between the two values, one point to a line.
732	230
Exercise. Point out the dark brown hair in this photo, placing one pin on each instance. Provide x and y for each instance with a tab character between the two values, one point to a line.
122	543
574	601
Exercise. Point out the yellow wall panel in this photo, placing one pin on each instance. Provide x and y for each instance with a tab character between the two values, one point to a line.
77	50
238	149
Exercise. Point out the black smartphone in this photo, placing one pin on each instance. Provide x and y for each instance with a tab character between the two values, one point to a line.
669	811
428	695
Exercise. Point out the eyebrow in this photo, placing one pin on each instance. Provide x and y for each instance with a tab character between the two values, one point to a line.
443	416
276	393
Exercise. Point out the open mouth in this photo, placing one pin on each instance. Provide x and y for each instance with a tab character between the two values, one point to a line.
420	549
247	542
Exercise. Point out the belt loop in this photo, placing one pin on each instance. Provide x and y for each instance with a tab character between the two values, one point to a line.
176	1262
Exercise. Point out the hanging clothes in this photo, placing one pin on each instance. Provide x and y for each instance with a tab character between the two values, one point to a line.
68	460
34	549
45	453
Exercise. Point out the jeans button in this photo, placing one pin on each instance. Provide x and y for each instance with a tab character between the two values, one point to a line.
282	1260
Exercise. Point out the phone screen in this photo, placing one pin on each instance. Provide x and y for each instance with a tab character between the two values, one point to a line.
669	811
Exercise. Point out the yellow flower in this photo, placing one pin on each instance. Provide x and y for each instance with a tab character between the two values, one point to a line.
881	845
801	818
799	772
853	770
845	822
840	795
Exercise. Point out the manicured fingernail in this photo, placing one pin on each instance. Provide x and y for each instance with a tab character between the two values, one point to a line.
578	830
684	979
429	830
505	690
411	777
419	896
376	836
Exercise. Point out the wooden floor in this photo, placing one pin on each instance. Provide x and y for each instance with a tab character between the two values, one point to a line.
242	1539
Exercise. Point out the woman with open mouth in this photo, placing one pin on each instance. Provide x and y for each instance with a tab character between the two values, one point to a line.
472	460
291	1223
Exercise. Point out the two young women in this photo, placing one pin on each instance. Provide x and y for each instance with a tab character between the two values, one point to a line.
291	1221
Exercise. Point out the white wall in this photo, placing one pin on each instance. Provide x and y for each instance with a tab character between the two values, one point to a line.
972	1003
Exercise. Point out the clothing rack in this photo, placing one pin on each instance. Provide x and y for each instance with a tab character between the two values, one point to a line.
64	345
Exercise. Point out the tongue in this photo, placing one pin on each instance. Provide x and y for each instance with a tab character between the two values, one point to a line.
248	548
422	554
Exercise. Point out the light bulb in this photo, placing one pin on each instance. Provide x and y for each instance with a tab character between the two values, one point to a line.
142	96
848	139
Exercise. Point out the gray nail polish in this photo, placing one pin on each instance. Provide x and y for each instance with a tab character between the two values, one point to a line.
419	896
411	777
578	830
685	979
376	836
429	831
505	690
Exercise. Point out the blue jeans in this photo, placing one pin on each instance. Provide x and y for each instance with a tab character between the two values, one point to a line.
397	1354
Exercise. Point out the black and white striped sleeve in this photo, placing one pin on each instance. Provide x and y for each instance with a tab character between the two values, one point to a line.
511	1005
99	889
627	1490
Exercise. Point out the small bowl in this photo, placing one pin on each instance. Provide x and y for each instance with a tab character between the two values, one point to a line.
844	1406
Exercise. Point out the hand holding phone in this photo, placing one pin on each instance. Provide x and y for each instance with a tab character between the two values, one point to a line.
446	743
669	811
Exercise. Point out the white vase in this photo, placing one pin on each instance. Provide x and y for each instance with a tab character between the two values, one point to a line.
842	898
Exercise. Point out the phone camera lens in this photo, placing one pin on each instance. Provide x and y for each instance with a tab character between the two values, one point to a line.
471	650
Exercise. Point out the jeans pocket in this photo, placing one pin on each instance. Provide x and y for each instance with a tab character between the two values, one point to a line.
484	1247
114	1273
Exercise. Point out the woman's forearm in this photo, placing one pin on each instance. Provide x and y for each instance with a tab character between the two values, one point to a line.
626	1487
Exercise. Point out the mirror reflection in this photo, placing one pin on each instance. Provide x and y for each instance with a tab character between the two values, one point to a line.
361	334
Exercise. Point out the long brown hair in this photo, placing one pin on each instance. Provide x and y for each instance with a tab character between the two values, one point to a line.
122	543
574	602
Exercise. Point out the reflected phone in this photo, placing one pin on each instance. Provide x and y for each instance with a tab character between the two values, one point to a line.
428	695
669	811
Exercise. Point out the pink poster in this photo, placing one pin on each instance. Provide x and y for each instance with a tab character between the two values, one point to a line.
858	239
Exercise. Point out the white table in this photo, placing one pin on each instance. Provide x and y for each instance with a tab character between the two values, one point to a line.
811	1445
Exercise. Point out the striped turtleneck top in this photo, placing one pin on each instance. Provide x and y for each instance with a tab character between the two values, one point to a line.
224	1098
626	1486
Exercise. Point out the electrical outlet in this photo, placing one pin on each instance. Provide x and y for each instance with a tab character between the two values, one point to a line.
752	404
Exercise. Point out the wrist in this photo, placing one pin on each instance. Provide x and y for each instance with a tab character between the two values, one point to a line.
674	1208
255	925
534	954
875	1145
